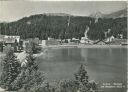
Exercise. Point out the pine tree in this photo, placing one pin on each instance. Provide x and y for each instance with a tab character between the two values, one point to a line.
10	69
30	77
82	79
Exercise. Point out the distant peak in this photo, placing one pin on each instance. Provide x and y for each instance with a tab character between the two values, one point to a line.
116	14
96	14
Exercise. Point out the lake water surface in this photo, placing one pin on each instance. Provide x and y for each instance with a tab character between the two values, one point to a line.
104	65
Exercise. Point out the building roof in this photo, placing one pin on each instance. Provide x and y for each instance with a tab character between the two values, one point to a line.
100	42
9	40
8	36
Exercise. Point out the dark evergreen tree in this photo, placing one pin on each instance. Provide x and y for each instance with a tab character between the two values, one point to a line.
10	69
30	78
82	79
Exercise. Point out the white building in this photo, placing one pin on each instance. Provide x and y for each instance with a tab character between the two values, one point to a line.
110	39
43	43
17	38
82	40
74	39
107	32
49	38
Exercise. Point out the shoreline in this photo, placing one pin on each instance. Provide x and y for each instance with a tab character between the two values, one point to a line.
85	46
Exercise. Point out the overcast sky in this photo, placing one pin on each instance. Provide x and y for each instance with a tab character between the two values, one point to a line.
13	10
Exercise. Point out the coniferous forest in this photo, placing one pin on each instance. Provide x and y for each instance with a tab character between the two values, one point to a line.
64	27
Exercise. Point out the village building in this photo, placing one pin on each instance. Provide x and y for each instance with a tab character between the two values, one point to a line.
110	39
100	42
12	41
42	43
69	40
9	41
85	39
17	38
120	36
75	40
106	33
52	41
49	38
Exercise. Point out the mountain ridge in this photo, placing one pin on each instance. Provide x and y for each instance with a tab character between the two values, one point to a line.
98	14
116	14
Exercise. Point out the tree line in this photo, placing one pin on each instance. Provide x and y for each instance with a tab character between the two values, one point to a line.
43	26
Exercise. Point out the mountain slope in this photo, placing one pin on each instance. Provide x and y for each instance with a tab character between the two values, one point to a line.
117	14
59	25
97	15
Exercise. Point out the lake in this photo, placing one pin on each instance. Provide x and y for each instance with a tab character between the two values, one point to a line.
107	66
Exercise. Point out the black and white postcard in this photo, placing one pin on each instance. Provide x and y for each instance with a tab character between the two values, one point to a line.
63	46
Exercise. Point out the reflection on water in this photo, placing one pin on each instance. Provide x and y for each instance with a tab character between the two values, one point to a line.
103	65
